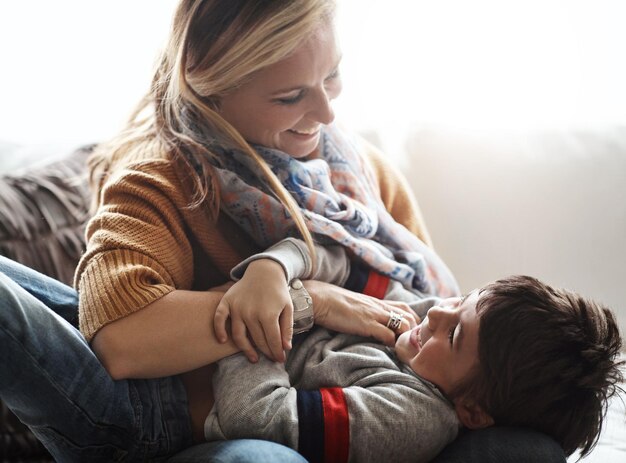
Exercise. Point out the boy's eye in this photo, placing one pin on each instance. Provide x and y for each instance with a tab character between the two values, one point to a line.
451	335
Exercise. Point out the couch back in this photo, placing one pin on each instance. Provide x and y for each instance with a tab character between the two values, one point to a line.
546	203
43	211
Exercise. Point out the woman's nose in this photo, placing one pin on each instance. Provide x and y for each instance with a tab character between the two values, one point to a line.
322	110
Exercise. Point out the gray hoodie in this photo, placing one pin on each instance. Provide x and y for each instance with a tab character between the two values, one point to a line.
338	397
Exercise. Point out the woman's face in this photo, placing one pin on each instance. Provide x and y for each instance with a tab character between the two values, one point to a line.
284	105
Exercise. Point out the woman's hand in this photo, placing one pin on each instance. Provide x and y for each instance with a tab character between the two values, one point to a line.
258	305
348	312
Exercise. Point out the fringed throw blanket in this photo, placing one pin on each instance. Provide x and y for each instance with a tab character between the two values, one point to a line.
338	196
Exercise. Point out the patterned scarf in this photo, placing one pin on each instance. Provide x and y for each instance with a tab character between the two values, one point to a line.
338	197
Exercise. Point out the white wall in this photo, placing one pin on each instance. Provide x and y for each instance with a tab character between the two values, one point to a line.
551	204
496	201
72	70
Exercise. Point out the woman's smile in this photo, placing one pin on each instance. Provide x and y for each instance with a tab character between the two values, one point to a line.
305	135
309	131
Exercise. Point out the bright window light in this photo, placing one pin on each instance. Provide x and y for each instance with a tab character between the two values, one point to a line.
75	68
484	63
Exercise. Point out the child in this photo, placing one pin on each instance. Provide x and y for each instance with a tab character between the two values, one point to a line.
515	352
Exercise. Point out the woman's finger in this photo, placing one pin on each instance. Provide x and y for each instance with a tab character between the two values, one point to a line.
406	324
383	334
241	340
404	320
404	309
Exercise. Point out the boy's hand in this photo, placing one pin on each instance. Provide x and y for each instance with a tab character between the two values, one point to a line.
260	308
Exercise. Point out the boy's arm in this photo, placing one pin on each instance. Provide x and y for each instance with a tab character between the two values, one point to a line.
259	304
331	262
385	416
333	266
253	400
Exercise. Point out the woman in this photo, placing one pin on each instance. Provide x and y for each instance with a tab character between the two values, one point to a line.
238	80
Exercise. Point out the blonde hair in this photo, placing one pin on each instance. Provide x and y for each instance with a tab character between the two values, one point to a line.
214	47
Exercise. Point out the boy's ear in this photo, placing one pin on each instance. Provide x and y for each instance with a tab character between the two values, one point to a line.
472	415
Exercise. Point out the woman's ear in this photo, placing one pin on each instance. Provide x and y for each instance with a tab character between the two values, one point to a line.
472	415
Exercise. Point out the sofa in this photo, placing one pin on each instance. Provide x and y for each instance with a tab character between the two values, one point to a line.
44	198
43	209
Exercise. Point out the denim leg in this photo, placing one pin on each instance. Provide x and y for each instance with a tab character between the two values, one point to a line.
238	451
54	383
502	445
55	295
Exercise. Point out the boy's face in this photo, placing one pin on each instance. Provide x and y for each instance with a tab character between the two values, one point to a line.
443	349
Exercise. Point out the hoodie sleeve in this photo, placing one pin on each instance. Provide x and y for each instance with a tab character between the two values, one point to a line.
331	263
364	411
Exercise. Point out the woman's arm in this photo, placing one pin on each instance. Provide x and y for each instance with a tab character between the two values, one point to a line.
172	335
352	312
135	278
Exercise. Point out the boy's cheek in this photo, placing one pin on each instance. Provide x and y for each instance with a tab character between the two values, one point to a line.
402	348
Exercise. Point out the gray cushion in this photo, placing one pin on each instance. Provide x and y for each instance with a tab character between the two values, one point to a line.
42	215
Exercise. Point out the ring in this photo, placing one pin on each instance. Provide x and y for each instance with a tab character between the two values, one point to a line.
395	320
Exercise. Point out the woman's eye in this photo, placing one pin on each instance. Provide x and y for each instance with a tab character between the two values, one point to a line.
333	75
292	99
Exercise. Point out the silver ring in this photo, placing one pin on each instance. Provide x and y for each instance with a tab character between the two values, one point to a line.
395	320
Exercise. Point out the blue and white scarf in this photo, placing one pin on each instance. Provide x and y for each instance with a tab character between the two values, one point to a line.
338	196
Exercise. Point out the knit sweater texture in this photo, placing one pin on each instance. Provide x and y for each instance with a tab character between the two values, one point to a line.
144	240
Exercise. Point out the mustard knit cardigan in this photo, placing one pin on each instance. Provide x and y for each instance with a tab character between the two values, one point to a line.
144	241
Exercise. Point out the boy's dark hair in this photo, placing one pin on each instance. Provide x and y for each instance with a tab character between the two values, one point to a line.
547	360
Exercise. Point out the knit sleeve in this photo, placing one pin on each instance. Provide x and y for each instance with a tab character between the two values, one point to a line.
394	421
137	248
396	194
253	400
331	262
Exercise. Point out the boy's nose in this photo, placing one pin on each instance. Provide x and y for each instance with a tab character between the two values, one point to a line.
438	315
434	316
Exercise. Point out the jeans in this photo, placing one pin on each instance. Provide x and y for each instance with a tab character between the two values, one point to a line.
235	451
61	298
54	383
51	379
